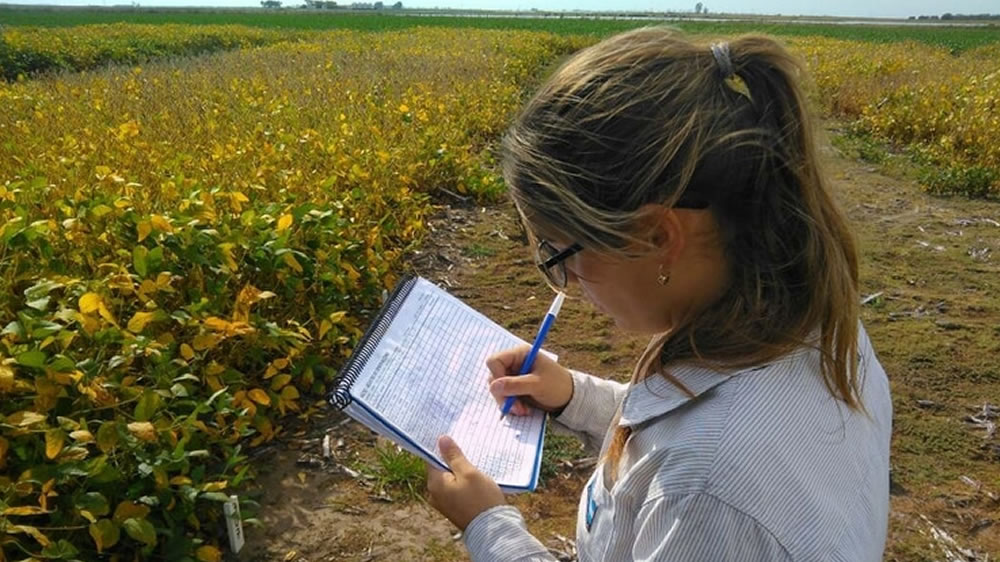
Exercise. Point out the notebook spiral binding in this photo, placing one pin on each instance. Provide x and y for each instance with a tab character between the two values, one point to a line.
340	397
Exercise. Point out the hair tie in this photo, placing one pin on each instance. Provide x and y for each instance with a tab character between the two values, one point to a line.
732	80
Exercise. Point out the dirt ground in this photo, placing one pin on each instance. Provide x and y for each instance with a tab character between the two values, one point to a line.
929	271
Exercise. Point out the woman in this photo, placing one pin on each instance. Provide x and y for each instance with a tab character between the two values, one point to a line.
679	186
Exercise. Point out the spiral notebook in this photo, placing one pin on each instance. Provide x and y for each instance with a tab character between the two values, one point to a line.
420	372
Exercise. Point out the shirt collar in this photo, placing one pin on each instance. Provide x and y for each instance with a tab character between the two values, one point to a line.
656	396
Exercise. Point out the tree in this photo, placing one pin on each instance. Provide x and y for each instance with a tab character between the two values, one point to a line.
398	6
697	8
270	3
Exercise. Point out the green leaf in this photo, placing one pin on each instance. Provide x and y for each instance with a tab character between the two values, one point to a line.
13	329
215	496
105	533
101	210
107	436
44	328
95	503
148	403
39	303
33	358
140	257
140	530
60	550
61	364
156	258
41	289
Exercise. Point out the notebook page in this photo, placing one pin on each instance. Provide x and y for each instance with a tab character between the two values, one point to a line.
428	375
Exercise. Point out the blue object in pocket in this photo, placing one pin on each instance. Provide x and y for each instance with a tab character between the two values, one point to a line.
591	503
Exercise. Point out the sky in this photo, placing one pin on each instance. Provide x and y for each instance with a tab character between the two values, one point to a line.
855	8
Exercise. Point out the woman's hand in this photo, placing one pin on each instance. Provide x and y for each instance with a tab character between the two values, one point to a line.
548	386
463	493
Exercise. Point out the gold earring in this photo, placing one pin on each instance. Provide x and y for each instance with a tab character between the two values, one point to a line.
662	278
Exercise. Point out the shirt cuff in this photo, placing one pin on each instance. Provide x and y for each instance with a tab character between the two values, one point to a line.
593	405
499	534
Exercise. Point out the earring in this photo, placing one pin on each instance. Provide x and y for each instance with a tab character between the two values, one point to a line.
663	278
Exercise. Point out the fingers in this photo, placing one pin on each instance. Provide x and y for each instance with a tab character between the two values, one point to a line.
507	362
453	456
523	385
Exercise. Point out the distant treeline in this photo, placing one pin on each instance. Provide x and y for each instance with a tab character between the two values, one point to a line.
950	16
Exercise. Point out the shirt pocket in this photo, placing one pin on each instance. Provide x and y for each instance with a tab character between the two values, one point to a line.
594	529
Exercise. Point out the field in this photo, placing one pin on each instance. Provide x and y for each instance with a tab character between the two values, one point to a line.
954	38
199	218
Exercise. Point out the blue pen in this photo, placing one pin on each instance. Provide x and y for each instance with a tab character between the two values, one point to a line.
529	360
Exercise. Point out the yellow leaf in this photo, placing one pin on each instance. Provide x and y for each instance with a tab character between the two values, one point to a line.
160	223
6	378
291	262
280	381
324	327
227	254
139	321
214	486
186	352
88	323
105	534
180	481
4	446
216	324
130	510
24	510
82	435
213	383
25	418
105	313
89	303
280	363
284	222
28	530
205	341
208	553
338	317
289	393
214	368
259	396
143	430
54	440
144	228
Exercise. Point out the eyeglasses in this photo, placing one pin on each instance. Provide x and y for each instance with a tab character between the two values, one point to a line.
552	262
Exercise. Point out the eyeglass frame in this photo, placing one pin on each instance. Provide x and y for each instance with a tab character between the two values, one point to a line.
558	259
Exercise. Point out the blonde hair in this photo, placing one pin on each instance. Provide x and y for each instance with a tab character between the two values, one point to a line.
647	116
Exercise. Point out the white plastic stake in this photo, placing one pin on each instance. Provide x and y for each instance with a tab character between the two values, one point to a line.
234	523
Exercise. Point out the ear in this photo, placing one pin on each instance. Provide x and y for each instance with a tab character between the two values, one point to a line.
665	231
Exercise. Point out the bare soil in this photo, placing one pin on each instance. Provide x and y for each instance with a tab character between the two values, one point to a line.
930	268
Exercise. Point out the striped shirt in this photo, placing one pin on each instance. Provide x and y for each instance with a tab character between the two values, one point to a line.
762	465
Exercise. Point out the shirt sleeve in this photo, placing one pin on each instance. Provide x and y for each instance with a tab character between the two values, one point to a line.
698	527
500	535
592	408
